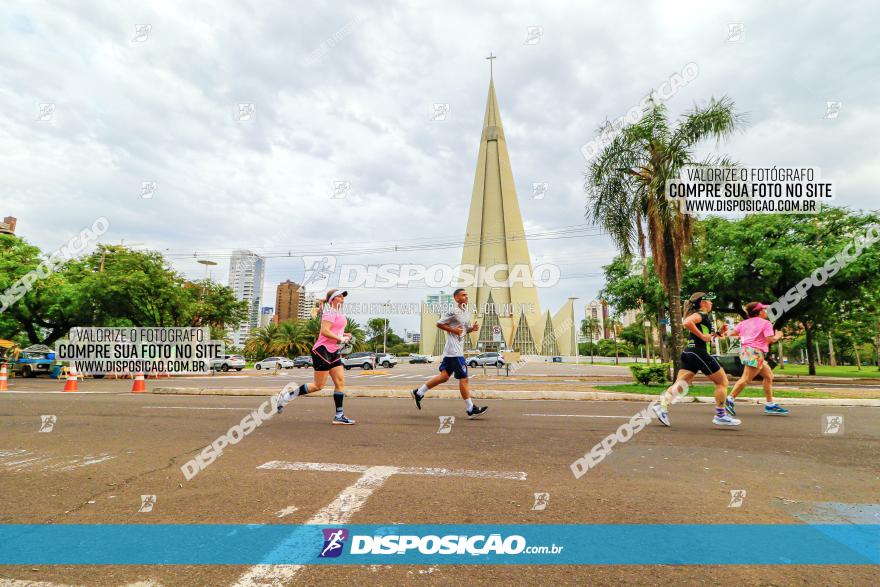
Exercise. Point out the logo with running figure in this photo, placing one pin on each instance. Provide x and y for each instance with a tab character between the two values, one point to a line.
737	497
832	424
334	541
317	273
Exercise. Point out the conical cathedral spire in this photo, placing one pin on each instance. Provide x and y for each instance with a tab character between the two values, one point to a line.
495	238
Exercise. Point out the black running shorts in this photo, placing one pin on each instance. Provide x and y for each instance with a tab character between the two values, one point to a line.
698	361
324	360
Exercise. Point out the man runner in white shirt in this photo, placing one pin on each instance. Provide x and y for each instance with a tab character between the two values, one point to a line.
456	324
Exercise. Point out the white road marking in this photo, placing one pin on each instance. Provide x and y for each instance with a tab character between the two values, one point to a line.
578	416
287	511
68	393
219	377
192	408
28	583
436	472
340	511
22	459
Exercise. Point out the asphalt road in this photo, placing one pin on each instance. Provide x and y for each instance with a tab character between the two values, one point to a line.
406	376
106	450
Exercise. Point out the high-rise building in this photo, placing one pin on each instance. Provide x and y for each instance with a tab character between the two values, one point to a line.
292	301
266	316
598	311
8	225
629	317
306	308
287	297
509	314
246	271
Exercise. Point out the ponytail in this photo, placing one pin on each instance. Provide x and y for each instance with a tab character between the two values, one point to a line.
688	308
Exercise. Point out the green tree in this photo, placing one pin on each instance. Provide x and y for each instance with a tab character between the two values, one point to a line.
214	305
588	327
259	343
291	339
113	286
726	260
626	190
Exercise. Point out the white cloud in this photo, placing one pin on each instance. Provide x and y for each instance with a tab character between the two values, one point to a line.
162	110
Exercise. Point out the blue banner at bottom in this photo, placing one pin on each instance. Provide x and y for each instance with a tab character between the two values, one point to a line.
501	544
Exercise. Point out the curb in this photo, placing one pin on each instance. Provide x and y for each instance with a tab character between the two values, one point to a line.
518	394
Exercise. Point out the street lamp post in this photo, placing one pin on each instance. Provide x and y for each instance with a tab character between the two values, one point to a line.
577	352
207	263
385	330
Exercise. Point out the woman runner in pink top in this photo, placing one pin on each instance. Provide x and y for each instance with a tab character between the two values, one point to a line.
756	335
325	356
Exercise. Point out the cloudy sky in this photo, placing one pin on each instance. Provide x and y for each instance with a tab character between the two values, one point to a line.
345	92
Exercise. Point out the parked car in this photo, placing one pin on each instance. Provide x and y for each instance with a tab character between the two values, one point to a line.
274	363
302	361
734	367
386	360
227	362
486	359
363	360
420	359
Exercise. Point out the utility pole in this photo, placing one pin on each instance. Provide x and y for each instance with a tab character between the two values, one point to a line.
385	330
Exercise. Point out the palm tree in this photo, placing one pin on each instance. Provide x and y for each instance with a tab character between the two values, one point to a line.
259	343
613	323
626	190
291	339
358	333
588	326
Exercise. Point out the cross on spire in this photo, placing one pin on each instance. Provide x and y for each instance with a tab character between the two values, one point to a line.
490	58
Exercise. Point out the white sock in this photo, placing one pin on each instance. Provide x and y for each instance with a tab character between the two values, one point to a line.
469	404
770	404
421	391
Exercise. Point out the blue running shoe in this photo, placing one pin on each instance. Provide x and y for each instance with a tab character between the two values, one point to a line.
729	406
342	420
775	411
661	414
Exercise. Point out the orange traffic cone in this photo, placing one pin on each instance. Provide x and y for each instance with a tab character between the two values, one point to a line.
4	386
139	386
72	383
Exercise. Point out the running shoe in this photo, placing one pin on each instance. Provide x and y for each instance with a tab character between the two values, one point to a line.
342	420
280	402
729	406
476	412
775	411
725	420
661	414
417	397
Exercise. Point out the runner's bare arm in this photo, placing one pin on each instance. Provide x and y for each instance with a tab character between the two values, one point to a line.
691	324
450	329
326	331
